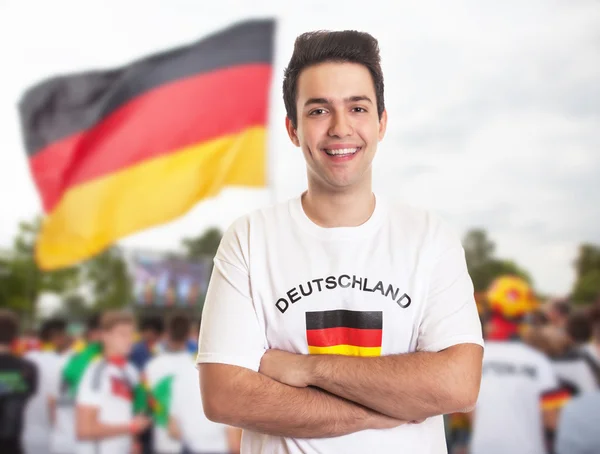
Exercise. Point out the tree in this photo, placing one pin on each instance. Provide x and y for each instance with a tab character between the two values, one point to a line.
108	279
478	248
586	288
483	266
22	281
203	246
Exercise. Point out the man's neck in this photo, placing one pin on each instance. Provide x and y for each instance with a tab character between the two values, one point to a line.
348	208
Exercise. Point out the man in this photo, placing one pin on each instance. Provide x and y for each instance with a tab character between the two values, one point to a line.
159	376
105	420
578	425
520	394
72	365
151	330
18	382
39	415
383	289
576	368
187	422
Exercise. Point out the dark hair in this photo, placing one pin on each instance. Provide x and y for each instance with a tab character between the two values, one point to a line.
326	46
563	307
9	326
50	327
579	327
178	328
93	323
155	324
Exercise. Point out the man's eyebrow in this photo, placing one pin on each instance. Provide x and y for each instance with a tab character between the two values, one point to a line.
316	101
360	98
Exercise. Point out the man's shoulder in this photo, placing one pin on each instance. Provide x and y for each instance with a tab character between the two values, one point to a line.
422	224
262	216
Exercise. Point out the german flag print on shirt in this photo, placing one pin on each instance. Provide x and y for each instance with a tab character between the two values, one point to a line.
344	332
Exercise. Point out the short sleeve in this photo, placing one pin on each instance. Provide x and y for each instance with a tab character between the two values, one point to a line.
548	379
230	332
450	314
89	392
553	395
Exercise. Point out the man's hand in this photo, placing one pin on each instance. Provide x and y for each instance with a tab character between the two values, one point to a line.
140	423
288	368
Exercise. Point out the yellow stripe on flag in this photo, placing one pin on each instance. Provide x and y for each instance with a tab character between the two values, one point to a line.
93	215
347	350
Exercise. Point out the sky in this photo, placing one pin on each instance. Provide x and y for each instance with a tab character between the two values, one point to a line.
494	109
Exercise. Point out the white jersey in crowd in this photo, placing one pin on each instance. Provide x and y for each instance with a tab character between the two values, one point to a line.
36	420
576	370
62	436
508	415
162	370
109	388
280	280
198	433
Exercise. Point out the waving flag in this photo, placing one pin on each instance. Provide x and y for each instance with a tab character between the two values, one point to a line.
114	152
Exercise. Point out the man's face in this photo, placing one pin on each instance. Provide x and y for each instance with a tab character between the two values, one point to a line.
338	126
150	336
61	340
119	339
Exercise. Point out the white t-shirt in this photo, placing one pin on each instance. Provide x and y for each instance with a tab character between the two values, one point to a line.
165	367
508	416
62	436
36	429
110	389
198	433
396	284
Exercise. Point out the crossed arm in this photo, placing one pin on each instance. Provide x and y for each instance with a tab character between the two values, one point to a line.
327	395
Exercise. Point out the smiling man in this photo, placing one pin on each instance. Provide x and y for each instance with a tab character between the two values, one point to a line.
338	322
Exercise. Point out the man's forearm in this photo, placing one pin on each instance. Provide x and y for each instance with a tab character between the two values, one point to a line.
249	400
407	387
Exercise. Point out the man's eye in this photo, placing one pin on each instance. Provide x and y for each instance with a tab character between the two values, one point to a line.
317	112
359	109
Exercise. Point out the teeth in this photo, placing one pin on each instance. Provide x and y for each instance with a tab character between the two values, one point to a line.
341	151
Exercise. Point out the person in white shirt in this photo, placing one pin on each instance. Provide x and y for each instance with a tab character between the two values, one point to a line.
336	321
520	393
159	375
62	399
180	401
38	418
105	420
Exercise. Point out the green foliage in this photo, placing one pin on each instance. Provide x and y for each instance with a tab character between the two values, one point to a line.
482	265
110	285
21	281
586	288
203	246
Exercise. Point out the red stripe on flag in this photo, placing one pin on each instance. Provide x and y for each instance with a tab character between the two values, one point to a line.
165	119
344	336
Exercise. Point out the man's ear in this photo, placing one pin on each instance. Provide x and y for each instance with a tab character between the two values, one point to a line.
291	131
382	125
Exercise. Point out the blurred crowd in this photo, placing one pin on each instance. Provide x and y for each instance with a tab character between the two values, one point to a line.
125	385
540	389
122	386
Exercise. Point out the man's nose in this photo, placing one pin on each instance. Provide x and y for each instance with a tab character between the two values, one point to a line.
340	126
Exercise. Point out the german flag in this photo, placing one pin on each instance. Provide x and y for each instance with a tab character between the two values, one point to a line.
343	332
113	152
555	399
